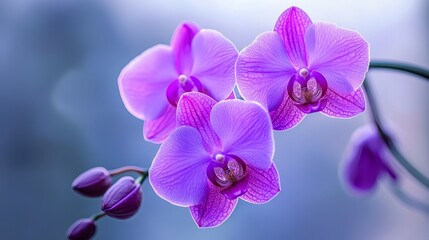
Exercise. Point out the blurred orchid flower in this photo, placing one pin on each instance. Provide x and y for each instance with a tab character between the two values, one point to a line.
221	152
366	161
301	68
196	61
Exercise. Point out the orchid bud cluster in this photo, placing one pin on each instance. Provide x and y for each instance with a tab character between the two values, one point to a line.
217	148
120	200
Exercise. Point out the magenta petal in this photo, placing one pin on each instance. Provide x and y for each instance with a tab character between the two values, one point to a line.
214	61
194	111
214	210
263	70
347	106
292	25
181	43
178	171
244	129
143	82
287	115
158	130
262	186
340	55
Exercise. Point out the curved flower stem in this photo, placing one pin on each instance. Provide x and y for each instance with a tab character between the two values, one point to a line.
409	68
142	177
408	200
121	170
98	216
376	117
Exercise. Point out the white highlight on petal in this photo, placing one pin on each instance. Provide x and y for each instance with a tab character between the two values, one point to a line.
182	79
220	157
303	72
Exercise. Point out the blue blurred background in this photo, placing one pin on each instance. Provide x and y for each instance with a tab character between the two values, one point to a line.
61	113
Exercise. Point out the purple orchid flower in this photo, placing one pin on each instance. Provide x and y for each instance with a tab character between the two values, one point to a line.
366	161
301	68
221	152
196	61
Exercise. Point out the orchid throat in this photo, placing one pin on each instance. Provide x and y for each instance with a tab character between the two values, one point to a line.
308	89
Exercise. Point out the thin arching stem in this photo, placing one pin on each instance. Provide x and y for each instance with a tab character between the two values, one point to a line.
376	117
125	169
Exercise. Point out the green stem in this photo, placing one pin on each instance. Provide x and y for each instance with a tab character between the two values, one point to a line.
376	117
403	67
98	216
142	177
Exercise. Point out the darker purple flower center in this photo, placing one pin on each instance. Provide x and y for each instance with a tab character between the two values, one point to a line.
182	85
308	90
229	173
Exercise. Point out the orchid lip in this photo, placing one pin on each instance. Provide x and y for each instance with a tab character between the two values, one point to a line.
181	85
307	90
229	173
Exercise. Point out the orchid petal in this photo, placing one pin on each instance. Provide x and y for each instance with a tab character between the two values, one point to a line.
339	54
214	61
262	185
178	171
194	110
291	25
263	70
287	115
244	129
143	82
214	210
181	44
158	130
347	106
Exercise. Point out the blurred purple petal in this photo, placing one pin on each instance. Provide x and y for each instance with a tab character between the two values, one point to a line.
339	54
194	111
214	62
181	43
143	82
347	106
263	70
292	25
157	130
366	161
178	172
245	131
262	185
214	210
287	115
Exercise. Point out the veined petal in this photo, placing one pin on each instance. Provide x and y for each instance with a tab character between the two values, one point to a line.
339	54
263	185
214	61
178	171
158	130
143	82
263	70
344	106
244	129
214	210
194	110
287	115
292	25
181	44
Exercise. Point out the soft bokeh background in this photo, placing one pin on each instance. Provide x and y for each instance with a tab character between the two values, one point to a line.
61	113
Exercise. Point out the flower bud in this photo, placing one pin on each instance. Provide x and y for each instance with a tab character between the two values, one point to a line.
93	182
82	229
122	199
368	159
